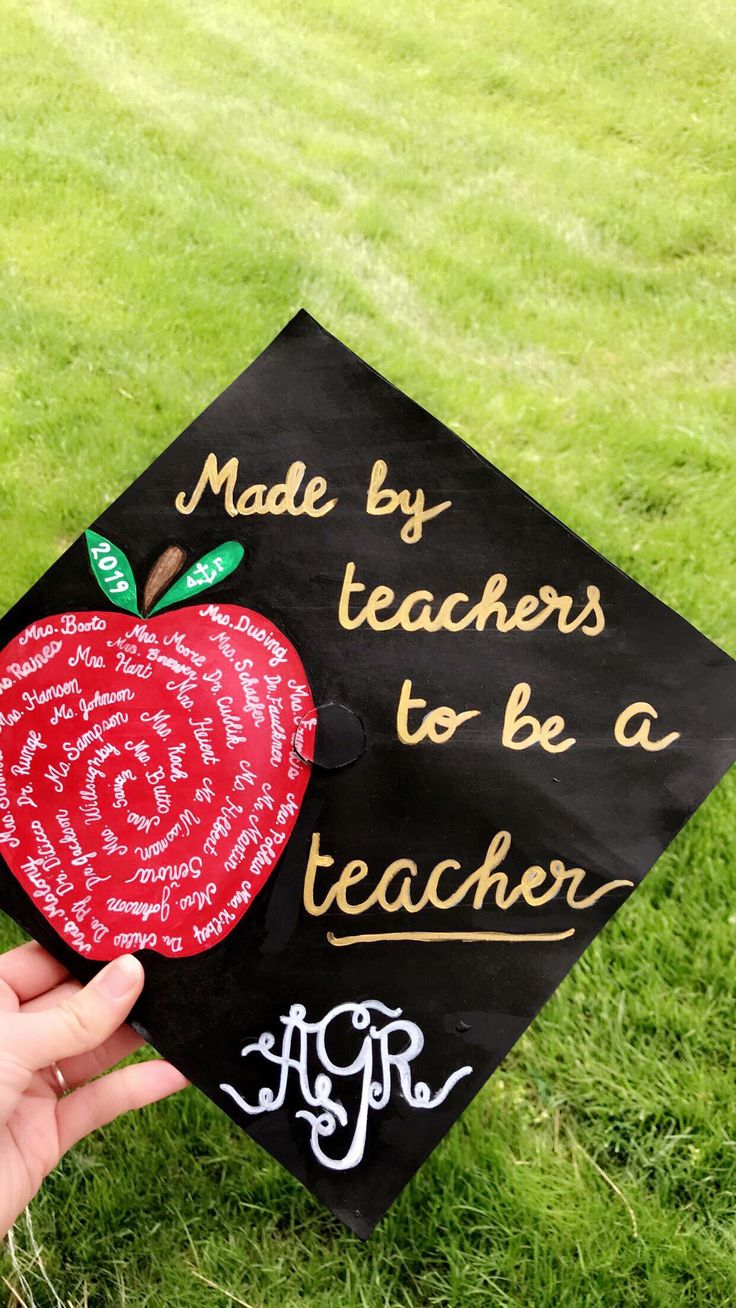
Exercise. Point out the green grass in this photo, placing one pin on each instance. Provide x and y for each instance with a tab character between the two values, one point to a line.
522	213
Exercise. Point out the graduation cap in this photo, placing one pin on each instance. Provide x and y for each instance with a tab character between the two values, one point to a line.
356	745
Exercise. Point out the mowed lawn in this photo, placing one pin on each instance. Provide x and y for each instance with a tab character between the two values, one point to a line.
521	212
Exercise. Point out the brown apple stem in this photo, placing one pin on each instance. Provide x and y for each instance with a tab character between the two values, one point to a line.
166	568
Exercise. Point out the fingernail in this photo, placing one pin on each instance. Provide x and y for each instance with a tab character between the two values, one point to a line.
119	977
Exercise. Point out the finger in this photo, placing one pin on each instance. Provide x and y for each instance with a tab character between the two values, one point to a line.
83	1067
96	1104
26	972
65	990
80	1022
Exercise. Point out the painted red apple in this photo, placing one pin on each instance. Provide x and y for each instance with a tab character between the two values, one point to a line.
148	781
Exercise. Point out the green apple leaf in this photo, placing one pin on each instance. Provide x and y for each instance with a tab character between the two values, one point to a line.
112	572
213	567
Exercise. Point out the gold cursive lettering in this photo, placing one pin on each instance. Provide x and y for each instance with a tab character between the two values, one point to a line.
641	735
420	611
396	889
537	733
382	500
438	725
259	498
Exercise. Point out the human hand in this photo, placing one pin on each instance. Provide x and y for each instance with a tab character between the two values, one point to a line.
47	1022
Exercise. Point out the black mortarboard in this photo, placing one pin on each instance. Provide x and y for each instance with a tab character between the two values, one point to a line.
356	744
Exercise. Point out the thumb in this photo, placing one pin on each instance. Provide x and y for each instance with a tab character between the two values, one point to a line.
80	1022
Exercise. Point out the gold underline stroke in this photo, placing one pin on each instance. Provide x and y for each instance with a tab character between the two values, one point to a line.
432	937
